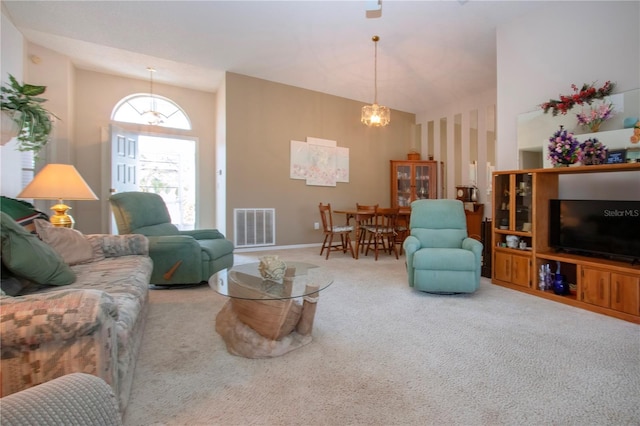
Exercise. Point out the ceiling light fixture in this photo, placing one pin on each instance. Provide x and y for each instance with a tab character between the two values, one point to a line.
152	116
375	115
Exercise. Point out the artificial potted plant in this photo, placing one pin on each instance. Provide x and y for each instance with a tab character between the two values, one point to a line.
22	104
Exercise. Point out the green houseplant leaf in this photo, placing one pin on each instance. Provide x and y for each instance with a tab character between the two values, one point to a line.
23	104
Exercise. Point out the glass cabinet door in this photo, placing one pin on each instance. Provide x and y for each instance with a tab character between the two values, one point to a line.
403	185
523	202
422	182
502	190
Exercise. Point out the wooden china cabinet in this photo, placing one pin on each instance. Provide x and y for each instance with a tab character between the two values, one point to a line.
413	180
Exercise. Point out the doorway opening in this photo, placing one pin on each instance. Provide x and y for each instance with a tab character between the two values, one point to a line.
167	167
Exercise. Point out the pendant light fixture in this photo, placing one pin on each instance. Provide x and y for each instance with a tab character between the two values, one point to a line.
375	115
152	116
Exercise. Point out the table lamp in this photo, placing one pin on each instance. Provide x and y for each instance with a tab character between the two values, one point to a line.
58	182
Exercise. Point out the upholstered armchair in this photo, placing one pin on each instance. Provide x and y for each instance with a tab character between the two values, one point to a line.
441	258
179	257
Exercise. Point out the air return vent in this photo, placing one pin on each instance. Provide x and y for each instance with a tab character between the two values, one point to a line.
254	227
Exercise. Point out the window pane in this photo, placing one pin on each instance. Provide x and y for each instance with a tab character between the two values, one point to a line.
130	109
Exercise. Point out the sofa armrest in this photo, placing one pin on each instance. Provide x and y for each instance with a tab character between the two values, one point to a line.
57	315
176	259
474	245
203	234
48	335
121	245
171	243
411	244
73	399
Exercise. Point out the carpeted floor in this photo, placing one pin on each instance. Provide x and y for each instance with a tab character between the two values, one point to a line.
384	354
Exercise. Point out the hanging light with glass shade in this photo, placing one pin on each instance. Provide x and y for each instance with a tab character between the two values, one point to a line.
375	115
152	115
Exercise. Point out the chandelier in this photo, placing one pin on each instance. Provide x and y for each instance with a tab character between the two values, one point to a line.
152	116
375	115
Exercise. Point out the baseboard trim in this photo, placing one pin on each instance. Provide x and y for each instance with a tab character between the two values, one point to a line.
269	248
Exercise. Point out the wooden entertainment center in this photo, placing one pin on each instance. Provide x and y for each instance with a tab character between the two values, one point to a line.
521	209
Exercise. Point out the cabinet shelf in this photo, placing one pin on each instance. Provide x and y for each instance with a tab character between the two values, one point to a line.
618	265
551	295
522	252
508	232
521	201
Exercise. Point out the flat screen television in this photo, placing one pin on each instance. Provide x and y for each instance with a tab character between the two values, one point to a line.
596	227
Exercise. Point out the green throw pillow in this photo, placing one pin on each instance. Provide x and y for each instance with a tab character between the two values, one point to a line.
21	211
28	257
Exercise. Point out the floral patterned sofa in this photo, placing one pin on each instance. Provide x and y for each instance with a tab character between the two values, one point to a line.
86	314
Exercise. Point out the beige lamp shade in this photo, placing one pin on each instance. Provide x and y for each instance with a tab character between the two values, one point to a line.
58	182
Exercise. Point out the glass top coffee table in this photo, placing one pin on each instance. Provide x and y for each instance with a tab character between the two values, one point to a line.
265	318
245	282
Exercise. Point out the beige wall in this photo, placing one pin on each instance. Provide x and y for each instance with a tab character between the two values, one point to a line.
96	96
263	117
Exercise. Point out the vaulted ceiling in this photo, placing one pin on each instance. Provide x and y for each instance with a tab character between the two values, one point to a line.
430	52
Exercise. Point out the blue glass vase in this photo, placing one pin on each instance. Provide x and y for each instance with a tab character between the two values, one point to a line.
560	285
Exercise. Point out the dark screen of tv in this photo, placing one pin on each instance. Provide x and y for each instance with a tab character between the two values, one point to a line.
596	227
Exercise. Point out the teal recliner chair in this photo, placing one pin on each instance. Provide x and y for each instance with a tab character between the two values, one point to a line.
179	257
441	258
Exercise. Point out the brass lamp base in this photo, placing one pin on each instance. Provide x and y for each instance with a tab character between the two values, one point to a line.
61	219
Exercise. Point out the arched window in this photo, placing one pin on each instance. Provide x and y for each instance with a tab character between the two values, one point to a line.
142	108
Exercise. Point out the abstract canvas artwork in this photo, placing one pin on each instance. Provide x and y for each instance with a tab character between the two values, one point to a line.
319	162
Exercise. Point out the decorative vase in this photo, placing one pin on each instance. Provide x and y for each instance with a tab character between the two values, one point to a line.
560	165
272	268
594	127
560	285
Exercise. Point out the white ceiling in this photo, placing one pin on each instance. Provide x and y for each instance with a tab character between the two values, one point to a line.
430	52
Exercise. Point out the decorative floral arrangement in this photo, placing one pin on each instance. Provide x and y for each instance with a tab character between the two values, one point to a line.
596	116
592	151
585	95
563	148
635	137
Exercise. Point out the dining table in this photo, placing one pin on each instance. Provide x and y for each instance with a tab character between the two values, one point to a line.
361	216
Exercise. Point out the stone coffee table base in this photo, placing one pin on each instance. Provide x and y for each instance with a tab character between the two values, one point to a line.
242	340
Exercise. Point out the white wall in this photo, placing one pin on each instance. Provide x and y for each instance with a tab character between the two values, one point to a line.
541	54
11	62
221	158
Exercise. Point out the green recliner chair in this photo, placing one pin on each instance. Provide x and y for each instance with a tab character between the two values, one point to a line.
441	258
179	257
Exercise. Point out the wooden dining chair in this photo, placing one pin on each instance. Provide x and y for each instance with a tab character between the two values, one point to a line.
382	234
402	226
363	221
330	231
